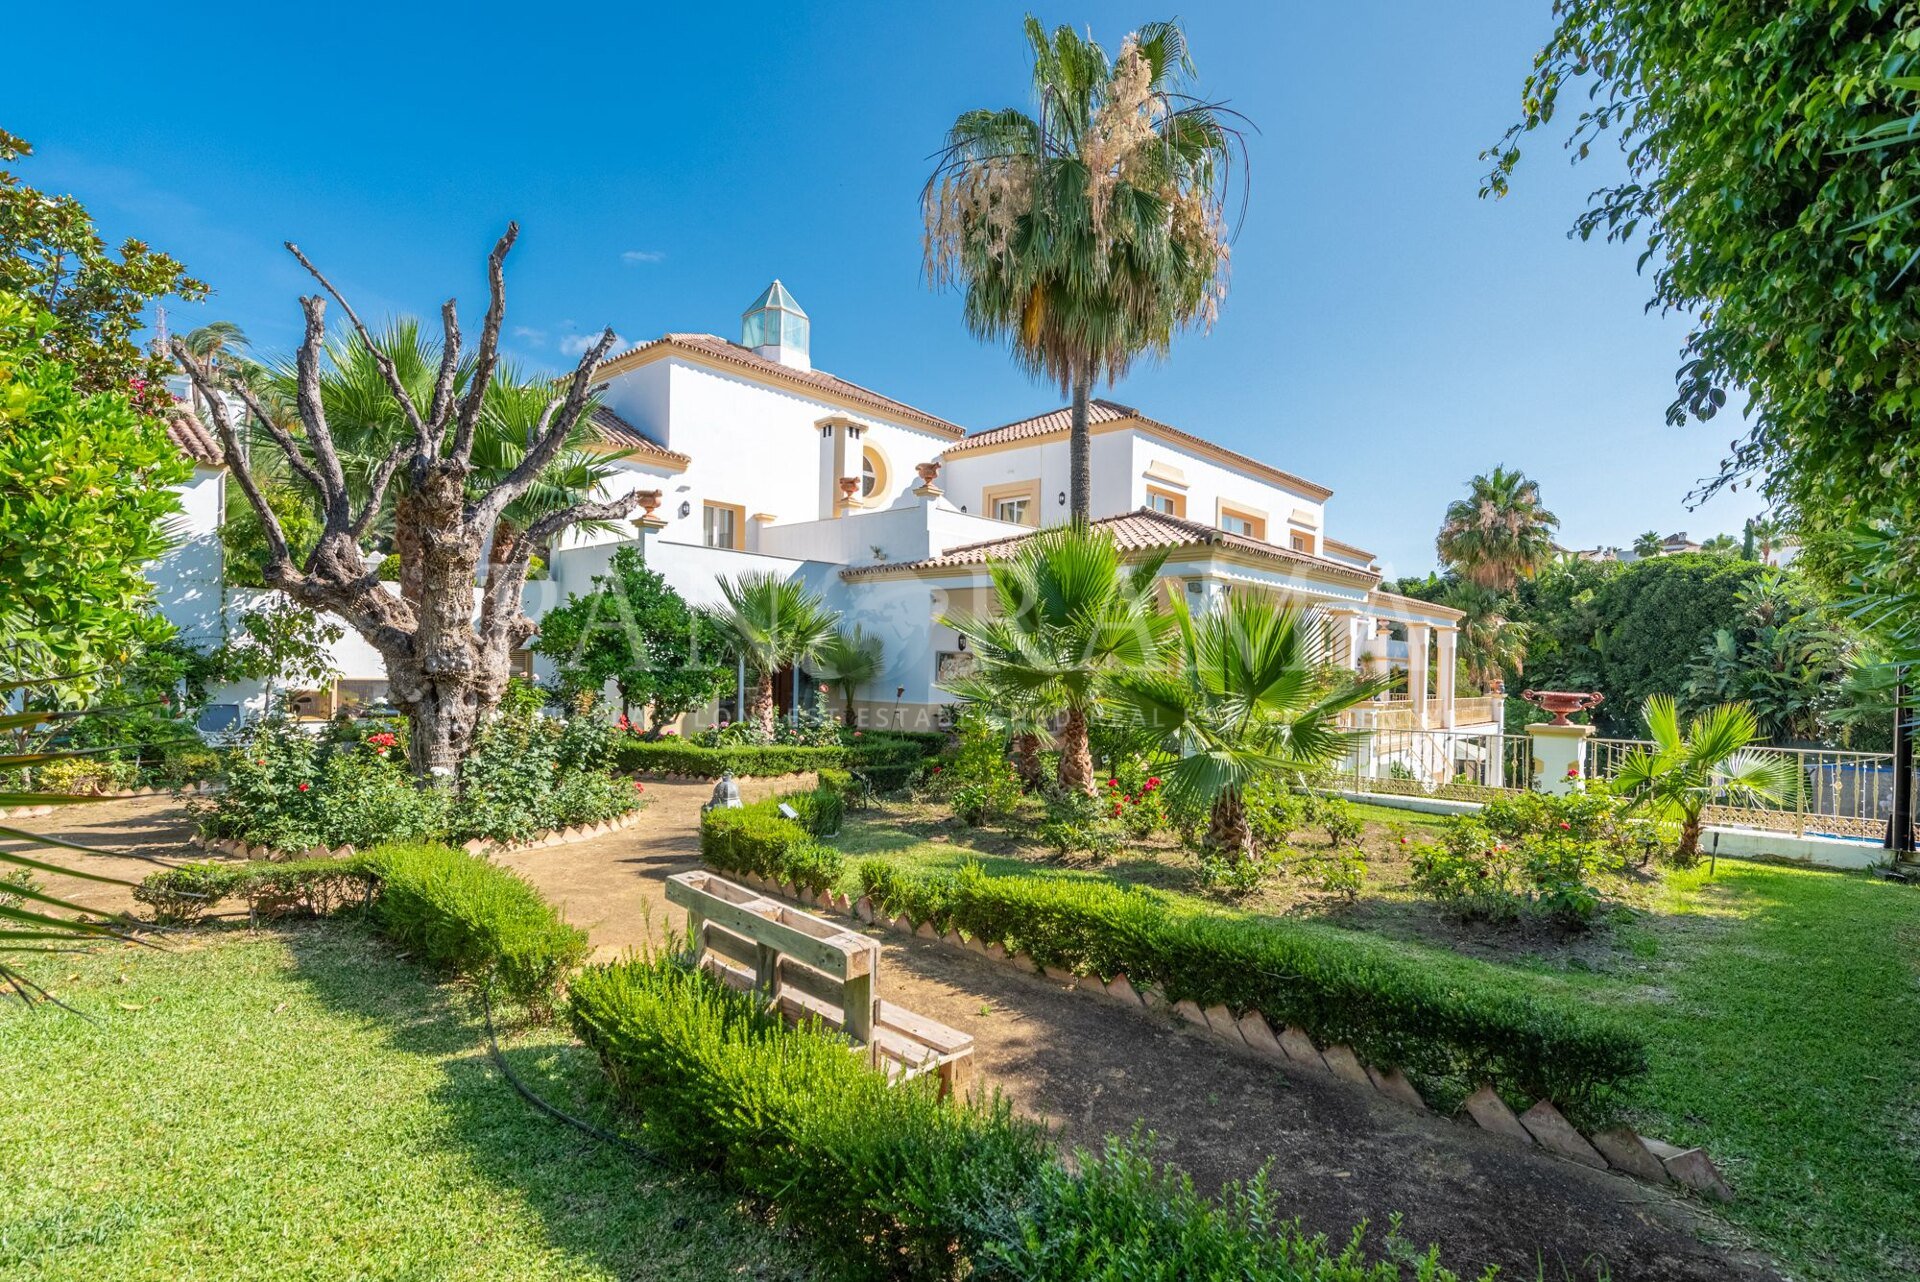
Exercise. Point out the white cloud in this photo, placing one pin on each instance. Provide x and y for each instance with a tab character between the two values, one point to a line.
577	344
533	337
634	257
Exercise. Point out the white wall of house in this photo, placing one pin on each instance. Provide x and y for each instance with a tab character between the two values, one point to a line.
1206	484
967	476
187	581
902	533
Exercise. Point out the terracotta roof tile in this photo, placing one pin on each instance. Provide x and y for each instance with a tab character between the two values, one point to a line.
717	348
191	436
1136	531
1056	422
616	431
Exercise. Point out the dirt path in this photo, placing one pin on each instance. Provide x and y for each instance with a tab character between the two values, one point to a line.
1338	1155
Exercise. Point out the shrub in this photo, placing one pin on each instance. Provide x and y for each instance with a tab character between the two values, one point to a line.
1132	794
86	776
1335	816
474	918
1229	874
1531	855
758	839
1449	1032
177	765
182	896
821	808
1341	871
880	1176
1080	825
976	778
1274	812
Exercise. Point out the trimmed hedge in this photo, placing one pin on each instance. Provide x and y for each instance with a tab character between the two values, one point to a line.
182	896
888	759
891	1182
460	912
472	917
758	839
1445	1031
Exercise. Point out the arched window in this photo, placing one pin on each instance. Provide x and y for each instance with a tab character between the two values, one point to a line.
873	473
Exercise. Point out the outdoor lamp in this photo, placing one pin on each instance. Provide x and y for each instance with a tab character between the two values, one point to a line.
726	793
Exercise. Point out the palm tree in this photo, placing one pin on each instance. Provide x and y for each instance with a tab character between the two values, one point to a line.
1026	715
848	660
367	422
771	623
1491	643
1721	545
1499	534
1686	771
1091	234
218	345
1243	697
1068	617
1648	544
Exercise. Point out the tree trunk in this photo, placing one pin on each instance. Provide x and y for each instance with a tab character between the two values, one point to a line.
1080	446
761	706
1228	831
1687	854
1076	761
1026	759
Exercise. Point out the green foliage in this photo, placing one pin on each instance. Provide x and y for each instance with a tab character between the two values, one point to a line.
848	660
243	540
475	919
1500	533
1118	1216
769	623
1530	856
86	775
281	643
1449	1035
637	633
758	839
309	887
979	784
881	1177
1771	205
888	758
1244	697
1785	655
1703	763
529	774
1077	824
85	483
51	252
288	791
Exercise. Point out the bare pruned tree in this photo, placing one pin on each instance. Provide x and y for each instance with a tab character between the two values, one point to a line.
448	662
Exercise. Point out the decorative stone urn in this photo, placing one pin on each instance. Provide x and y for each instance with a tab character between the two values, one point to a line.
849	486
649	500
929	476
1561	703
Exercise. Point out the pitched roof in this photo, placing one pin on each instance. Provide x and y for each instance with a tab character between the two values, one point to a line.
1348	548
1059	422
1136	531
191	436
818	382
620	434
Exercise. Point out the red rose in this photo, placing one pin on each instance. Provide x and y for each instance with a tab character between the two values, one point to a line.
1405	840
1153	782
936	770
1114	784
638	786
303	787
1564	825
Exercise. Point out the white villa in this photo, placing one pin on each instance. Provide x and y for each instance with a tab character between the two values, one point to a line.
749	458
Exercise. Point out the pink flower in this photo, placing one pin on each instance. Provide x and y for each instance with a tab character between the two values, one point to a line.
859	734
1153	782
638	786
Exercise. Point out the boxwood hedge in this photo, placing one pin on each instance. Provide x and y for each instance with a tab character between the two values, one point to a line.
757	839
1449	1032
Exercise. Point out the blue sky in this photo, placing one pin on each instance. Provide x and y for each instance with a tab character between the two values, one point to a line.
1387	333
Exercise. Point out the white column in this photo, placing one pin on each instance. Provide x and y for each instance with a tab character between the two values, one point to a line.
1448	660
1417	661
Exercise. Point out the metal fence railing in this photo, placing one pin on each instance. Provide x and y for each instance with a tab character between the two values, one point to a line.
1839	793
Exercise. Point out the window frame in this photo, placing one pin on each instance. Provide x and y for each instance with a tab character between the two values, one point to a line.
993	495
1303	541
1256	520
1177	500
739	514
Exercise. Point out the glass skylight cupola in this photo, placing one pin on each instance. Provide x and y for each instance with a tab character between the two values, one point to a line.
775	327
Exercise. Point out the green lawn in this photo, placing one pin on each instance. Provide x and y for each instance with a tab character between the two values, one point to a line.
1783	1009
301	1104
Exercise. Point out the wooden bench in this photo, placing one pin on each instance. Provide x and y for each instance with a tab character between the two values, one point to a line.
810	968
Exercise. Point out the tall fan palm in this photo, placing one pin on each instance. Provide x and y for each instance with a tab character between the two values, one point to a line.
1245	696
1648	544
1091	234
770	623
220	346
1499	534
848	660
1068	617
367	422
1491	643
1686	771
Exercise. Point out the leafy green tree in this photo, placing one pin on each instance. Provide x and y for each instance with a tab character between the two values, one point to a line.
1241	700
279	643
770	623
1704	764
1768	204
245	552
1500	533
51	253
638	634
848	660
1492	643
1092	233
1785	656
85	499
1067	619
